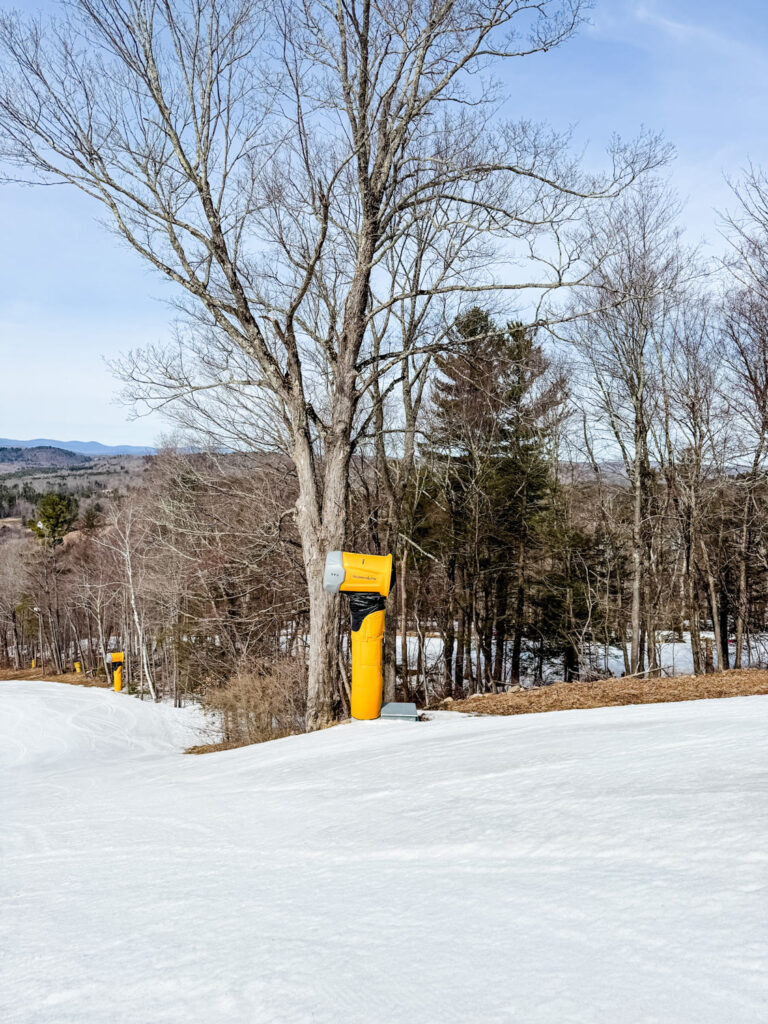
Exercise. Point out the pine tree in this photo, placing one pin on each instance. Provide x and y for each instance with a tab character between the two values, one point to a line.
56	514
491	428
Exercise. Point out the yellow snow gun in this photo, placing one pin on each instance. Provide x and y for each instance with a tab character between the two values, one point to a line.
368	580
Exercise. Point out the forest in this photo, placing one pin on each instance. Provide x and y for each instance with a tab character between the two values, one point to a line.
407	323
554	495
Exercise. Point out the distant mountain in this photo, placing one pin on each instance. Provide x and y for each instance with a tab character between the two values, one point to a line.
81	447
39	457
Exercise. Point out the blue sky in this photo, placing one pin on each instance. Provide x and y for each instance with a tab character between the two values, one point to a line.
71	295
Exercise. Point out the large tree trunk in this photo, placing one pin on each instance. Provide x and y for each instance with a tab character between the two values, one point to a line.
321	520
323	654
321	509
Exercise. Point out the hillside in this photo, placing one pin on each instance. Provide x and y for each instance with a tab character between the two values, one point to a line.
581	867
81	447
40	457
78	474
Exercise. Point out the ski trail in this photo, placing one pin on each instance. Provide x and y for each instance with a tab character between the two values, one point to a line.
579	867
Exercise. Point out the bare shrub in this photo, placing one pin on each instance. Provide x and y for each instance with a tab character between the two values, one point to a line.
262	701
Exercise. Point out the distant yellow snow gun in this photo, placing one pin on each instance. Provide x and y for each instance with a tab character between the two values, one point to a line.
115	662
368	580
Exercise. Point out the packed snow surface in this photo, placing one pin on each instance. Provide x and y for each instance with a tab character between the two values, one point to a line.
585	866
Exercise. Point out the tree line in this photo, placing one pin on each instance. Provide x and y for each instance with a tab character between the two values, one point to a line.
567	494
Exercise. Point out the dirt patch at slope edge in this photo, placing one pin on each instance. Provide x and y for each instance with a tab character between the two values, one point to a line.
614	692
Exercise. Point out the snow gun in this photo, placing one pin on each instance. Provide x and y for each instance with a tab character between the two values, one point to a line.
115	662
368	580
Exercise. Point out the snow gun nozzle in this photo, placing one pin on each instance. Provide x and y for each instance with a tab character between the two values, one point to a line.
350	573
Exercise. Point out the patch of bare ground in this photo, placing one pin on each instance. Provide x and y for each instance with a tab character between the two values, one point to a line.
36	675
611	692
212	748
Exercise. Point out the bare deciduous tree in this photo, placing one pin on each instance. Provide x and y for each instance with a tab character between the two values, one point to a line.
745	336
622	343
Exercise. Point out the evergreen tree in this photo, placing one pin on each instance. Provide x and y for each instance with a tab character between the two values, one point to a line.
494	410
56	513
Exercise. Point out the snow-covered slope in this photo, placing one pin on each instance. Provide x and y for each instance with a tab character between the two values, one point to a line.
603	866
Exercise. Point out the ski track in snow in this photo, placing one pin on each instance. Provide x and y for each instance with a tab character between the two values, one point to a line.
579	867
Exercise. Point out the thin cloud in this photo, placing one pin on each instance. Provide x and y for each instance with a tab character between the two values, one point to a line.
701	36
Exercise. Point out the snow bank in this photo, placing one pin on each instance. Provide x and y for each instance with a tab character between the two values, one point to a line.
583	866
51	724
